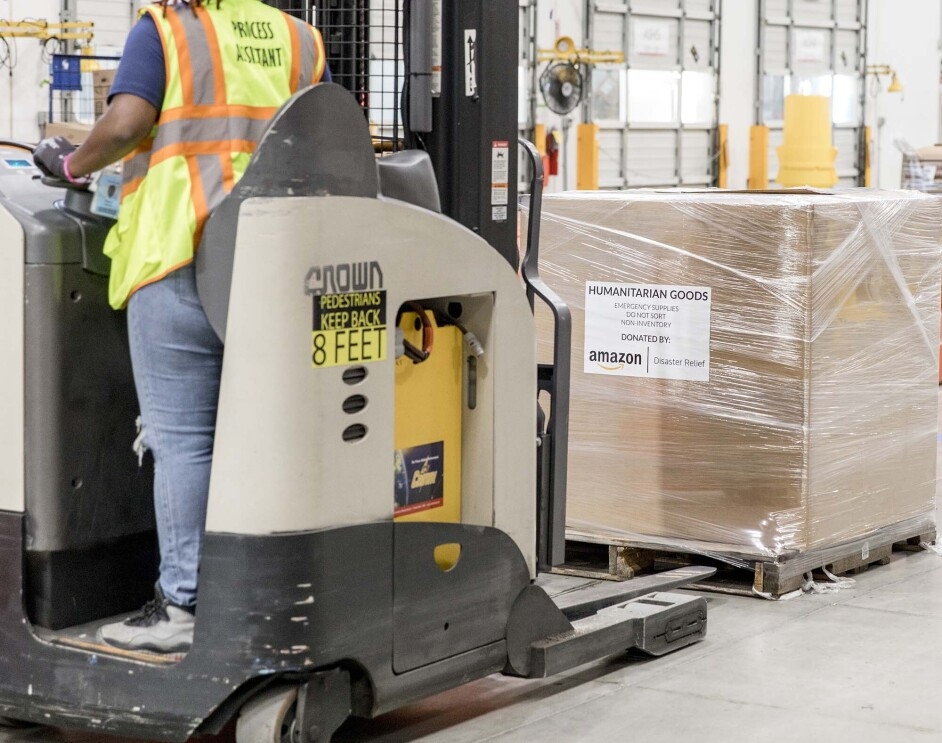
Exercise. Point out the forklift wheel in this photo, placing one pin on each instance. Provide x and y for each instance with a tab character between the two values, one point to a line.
269	717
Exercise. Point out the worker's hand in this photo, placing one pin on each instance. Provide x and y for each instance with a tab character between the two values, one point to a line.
50	155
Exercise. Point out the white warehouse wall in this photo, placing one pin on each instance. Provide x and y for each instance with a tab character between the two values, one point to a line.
904	35
112	19
23	94
907	37
738	32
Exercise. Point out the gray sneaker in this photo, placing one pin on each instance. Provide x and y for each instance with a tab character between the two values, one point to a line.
159	627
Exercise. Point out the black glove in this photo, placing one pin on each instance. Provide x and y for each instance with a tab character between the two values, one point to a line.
50	155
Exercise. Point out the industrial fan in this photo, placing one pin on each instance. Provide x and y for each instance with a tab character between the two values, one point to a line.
561	85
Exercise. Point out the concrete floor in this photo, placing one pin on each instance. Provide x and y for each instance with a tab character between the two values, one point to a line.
861	665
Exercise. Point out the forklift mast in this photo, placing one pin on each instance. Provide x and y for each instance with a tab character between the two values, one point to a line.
436	75
440	76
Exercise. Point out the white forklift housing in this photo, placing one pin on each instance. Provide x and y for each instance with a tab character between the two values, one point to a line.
315	601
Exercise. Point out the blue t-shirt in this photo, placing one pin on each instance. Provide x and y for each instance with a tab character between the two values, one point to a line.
141	71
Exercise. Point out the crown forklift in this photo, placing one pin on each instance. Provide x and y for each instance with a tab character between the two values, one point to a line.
383	507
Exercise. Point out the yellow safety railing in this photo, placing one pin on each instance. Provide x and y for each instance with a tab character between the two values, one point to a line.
42	30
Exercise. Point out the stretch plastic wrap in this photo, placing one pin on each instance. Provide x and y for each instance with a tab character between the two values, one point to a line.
817	422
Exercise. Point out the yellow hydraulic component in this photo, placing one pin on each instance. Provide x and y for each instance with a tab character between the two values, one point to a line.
722	177
42	30
428	399
564	50
868	132
587	157
807	156
758	158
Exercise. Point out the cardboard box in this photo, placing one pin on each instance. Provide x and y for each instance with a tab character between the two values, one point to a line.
102	86
817	422
75	133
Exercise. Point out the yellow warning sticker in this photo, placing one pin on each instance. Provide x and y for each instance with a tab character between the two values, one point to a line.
349	328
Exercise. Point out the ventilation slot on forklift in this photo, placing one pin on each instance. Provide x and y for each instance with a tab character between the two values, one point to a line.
353	376
354	404
354	433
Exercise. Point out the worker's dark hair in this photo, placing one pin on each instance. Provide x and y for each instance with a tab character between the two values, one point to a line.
194	4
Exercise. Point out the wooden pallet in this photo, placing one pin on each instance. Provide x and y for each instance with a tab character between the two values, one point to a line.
737	573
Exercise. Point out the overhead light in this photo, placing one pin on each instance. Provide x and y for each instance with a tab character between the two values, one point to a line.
895	85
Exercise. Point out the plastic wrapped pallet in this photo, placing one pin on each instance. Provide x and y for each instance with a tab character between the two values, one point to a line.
754	374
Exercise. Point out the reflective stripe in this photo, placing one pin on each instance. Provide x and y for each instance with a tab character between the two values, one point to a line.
192	149
195	57
130	187
211	174
209	130
183	66
308	54
197	198
136	165
212	41
155	15
295	35
209	112
321	61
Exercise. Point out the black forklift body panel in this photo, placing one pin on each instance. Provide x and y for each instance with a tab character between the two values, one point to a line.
88	499
257	622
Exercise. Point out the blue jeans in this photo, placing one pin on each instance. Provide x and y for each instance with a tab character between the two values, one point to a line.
177	361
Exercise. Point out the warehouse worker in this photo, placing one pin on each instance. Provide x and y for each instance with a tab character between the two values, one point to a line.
210	75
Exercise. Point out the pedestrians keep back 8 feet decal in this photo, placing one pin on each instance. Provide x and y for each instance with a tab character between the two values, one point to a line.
647	330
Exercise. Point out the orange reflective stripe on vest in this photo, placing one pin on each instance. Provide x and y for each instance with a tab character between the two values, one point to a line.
229	69
307	54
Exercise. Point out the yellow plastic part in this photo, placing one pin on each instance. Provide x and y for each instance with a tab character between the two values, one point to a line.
807	157
428	422
587	157
868	133
758	158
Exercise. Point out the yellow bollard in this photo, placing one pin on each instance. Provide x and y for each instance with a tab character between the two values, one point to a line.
722	177
539	138
758	158
587	157
807	156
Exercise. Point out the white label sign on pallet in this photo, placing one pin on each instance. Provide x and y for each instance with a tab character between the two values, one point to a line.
647	330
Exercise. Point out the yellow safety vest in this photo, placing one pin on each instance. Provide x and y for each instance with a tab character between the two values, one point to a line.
228	71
